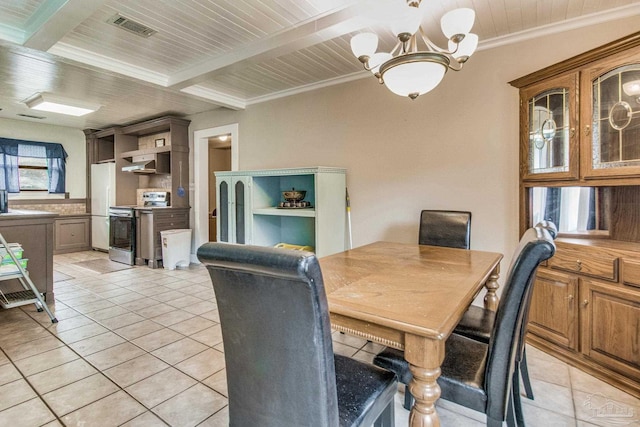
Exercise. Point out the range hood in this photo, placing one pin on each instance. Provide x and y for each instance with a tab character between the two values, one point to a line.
149	164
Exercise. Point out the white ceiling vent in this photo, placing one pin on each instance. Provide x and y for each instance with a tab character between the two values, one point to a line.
131	25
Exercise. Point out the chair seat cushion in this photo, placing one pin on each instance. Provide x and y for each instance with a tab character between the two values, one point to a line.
463	372
477	323
393	360
460	382
364	391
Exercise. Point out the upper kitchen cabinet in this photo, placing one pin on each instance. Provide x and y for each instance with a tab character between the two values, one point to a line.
548	119
580	119
162	151
105	146
160	147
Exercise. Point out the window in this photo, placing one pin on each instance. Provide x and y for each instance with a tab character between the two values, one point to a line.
32	166
33	174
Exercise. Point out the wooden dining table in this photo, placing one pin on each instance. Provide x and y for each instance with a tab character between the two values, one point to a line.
409	297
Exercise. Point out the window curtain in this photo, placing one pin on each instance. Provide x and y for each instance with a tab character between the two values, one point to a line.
12	149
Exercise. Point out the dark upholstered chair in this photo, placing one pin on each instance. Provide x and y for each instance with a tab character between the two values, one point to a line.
480	375
477	324
281	370
445	228
451	229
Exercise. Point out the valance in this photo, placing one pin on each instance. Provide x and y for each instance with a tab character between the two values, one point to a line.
23	148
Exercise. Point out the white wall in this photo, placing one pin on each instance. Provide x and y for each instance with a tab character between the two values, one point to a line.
453	148
73	141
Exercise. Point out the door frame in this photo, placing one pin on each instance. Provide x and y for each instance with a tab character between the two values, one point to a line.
201	175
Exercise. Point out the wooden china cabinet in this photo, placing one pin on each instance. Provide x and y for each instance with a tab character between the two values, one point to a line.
580	167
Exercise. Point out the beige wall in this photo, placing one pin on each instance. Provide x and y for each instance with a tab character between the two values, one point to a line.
73	141
453	148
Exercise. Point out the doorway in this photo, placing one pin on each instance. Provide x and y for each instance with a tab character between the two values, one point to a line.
202	177
219	160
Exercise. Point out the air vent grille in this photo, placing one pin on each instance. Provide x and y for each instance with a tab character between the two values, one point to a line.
31	117
131	25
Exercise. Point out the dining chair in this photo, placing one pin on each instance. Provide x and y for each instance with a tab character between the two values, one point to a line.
445	228
437	228
281	369
479	375
477	323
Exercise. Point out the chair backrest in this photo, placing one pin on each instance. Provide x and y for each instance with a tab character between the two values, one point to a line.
277	335
550	227
536	245
445	228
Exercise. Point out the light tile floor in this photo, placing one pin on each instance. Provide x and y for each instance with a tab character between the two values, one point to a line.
143	347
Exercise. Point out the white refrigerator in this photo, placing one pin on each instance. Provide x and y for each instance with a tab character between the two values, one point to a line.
103	195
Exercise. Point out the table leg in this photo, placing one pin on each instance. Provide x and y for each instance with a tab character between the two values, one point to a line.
491	298
425	357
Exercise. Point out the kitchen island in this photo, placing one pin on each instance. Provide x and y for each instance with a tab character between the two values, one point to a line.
34	231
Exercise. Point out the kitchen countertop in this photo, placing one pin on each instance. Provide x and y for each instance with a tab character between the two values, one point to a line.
20	213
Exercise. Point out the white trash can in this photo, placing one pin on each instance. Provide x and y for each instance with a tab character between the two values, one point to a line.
176	248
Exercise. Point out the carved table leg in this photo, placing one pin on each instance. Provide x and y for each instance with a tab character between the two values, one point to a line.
491	298
425	357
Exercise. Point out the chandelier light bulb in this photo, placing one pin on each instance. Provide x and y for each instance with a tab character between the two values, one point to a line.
414	78
364	45
457	21
407	23
466	47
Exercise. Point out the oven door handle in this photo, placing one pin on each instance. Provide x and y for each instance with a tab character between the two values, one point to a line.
120	215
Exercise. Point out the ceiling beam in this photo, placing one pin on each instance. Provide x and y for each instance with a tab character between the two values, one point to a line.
317	30
54	19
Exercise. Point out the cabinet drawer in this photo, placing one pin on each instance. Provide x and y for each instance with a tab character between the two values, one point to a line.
631	273
586	261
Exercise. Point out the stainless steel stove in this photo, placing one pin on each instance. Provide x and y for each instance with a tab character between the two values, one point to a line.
156	198
122	234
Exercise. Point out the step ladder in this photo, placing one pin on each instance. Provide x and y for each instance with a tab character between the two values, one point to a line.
30	294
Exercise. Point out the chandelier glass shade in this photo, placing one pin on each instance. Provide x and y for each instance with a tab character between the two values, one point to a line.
410	70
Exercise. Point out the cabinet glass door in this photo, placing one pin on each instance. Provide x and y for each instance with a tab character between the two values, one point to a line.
223	211
240	212
551	148
615	122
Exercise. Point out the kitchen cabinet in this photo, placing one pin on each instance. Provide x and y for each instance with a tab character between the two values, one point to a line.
72	234
34	231
125	144
149	223
580	168
249	212
171	152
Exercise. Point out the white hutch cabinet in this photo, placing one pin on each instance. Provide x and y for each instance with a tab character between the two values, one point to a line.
249	211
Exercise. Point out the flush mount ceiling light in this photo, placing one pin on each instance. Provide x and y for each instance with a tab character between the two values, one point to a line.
56	104
408	71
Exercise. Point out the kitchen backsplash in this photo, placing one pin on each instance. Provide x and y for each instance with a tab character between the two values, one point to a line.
59	208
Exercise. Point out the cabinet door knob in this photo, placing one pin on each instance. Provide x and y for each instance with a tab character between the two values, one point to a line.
587	130
570	298
572	132
585	303
578	265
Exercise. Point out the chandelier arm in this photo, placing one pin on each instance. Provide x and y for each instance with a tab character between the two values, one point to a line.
431	45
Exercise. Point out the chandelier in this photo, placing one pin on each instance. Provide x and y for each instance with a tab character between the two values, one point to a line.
407	70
